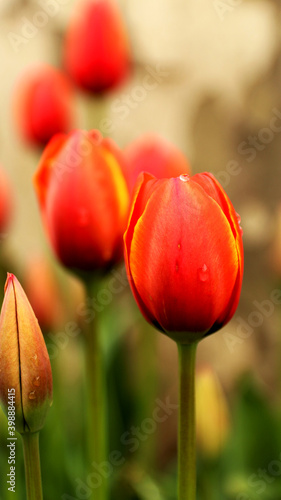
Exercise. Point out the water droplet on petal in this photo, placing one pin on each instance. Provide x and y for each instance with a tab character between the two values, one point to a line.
203	273
184	177
32	395
83	217
36	381
239	223
35	359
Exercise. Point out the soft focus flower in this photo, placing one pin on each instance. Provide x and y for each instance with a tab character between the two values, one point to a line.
6	202
153	154
212	414
43	103
25	366
46	300
97	54
184	254
84	199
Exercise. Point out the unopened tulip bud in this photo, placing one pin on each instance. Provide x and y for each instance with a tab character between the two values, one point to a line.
25	370
212	415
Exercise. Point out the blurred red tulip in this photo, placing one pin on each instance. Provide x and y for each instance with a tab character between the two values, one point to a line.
153	154
6	203
25	366
46	300
84	199
97	54
43	104
184	254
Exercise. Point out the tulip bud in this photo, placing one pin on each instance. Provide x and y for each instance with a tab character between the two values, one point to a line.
153	154
184	255
84	199
43	104
97	54
212	415
25	374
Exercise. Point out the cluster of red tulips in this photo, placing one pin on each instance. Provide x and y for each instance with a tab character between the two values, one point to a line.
178	234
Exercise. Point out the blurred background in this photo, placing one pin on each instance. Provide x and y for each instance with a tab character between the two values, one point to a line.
216	69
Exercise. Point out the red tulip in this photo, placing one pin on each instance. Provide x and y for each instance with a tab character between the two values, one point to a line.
152	154
6	203
43	104
25	375
97	54
184	254
46	300
84	199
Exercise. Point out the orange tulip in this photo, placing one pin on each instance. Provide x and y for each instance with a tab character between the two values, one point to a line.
84	199
153	154
25	375
184	254
43	104
97	54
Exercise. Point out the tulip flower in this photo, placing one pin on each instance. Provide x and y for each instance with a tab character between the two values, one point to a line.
25	379
84	199
96	53
46	300
184	254
153	154
43	104
184	260
6	202
24	360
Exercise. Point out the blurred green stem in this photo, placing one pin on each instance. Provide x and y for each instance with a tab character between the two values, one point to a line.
186	427
146	393
96	393
32	466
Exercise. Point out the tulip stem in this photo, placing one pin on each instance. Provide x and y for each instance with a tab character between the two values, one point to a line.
97	407
32	466
186	426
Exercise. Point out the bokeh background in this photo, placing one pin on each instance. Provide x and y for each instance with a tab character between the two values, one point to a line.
217	97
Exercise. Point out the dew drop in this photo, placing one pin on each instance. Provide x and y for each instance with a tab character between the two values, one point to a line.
36	381
184	177
203	273
83	217
32	395
239	223
35	359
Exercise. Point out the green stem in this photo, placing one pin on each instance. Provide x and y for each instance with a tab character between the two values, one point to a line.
97	411
186	427
32	466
